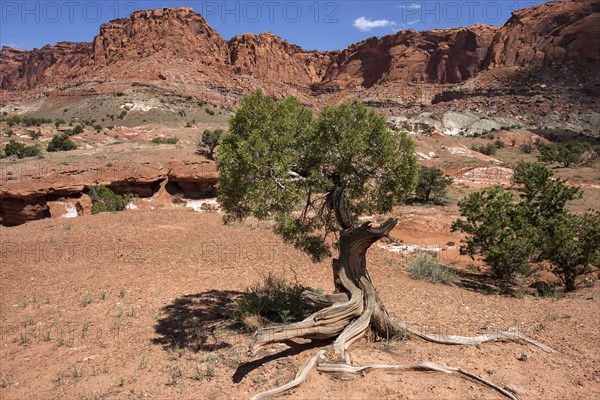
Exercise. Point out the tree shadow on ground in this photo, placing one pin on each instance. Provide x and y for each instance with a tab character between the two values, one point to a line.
481	283
293	349
192	321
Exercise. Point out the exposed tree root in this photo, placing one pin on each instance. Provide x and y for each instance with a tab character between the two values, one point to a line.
356	307
475	340
420	366
298	379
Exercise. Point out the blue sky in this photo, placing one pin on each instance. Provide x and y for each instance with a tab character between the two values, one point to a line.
321	25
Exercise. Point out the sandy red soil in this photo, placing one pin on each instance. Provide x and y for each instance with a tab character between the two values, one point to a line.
89	306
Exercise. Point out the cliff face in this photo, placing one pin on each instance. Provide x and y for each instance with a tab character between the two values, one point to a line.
48	66
438	56
151	45
266	56
565	33
178	32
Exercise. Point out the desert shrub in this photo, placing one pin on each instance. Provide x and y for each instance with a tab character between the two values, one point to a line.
499	144
527	147
34	134
210	140
161	140
548	289
9	132
487	149
77	129
424	266
104	199
122	115
209	111
14	148
98	128
511	234
61	142
273	300
570	154
432	184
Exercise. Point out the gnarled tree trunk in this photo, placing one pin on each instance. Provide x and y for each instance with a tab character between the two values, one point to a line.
355	307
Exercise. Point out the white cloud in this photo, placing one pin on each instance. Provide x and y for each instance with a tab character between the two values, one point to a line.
365	24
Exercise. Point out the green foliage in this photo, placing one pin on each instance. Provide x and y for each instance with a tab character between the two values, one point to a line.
511	234
61	142
9	132
104	199
209	111
161	140
568	154
432	184
122	115
34	134
14	148
98	128
210	140
493	225
573	246
424	266
499	144
26	121
77	129
487	149
278	162
274	300
59	122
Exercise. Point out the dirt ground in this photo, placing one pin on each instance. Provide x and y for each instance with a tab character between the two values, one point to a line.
137	305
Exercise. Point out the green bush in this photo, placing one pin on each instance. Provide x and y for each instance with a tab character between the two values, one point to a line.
160	140
424	266
34	134
61	142
499	144
512	234
14	148
487	149
210	140
104	199
274	300
570	154
432	184
209	111
77	129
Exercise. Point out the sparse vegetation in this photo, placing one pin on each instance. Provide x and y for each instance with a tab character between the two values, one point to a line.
424	266
569	154
432	184
487	149
210	140
273	300
510	234
20	150
61	142
105	200
161	140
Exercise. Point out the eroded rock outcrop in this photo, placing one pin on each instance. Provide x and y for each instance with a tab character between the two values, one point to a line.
177	47
52	191
555	33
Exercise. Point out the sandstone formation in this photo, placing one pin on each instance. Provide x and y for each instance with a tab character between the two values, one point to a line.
556	33
56	192
177	48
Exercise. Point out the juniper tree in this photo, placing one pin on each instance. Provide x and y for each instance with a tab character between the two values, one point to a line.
314	177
